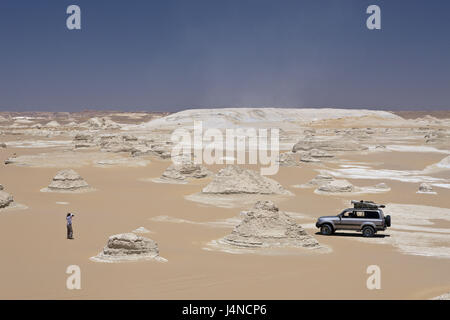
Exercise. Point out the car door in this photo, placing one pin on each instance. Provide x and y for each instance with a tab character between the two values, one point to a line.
346	222
357	218
375	217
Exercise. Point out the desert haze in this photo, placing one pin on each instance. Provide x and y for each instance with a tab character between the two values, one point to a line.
148	228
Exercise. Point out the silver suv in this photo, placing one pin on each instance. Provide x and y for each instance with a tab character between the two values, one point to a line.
365	216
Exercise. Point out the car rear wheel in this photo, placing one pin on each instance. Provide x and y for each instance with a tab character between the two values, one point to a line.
388	221
326	230
368	232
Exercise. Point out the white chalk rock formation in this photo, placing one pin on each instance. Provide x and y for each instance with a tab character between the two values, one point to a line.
437	137
309	159
101	123
159	150
336	186
83	140
67	180
53	124
128	247
333	145
426	188
264	226
445	296
382	186
318	180
263	117
7	201
315	153
112	143
5	198
288	159
236	180
186	169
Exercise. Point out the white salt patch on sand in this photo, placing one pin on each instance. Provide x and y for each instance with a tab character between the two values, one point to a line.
412	232
225	223
141	230
124	162
13	206
426	192
161	180
418	228
217	245
406	148
441	185
82	190
38	144
353	166
382	174
355	191
232	200
442	165
130	258
409	214
412	176
445	296
62	202
73	159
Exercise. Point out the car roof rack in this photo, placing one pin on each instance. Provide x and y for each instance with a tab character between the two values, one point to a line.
366	205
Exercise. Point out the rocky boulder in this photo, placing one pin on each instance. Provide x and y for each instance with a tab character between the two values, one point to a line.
236	180
266	226
101	123
184	170
287	159
5	199
333	145
67	180
336	186
128	246
426	188
318	180
83	140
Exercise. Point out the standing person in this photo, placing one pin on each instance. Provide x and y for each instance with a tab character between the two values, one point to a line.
69	225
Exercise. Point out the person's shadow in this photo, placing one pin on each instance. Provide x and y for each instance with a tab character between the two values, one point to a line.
352	235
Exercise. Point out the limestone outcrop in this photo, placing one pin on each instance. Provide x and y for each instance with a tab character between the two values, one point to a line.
236	180
67	180
265	226
128	247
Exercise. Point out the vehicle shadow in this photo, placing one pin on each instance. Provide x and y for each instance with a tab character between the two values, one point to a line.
354	235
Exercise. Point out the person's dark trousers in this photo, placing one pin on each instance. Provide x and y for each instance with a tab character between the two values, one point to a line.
69	231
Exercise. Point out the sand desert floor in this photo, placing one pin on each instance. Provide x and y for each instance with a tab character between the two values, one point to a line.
35	253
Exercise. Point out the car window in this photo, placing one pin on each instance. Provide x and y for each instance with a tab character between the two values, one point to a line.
372	215
347	214
359	214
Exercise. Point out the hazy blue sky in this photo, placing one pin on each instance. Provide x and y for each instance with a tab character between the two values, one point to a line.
176	54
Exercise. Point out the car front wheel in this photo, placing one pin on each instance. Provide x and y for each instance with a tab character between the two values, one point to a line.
326	230
368	232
